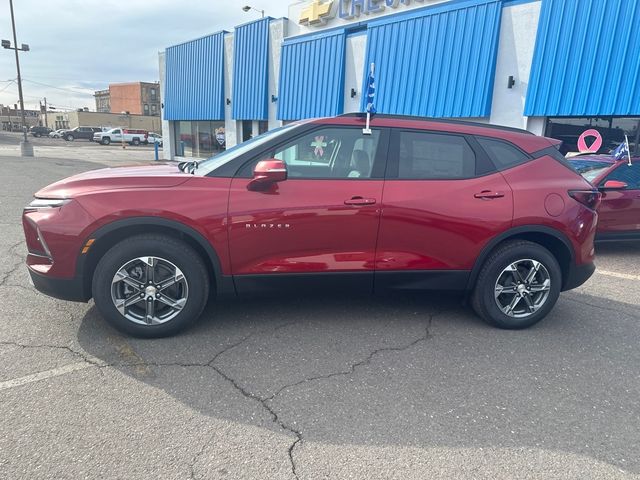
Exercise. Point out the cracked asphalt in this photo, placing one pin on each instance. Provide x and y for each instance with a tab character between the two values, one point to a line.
398	387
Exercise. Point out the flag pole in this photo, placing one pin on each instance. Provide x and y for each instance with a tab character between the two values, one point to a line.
626	141
367	130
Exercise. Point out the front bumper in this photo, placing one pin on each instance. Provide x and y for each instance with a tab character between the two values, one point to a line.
72	289
578	274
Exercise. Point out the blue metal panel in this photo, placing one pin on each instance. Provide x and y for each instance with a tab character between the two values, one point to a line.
194	79
251	71
437	61
586	60
312	76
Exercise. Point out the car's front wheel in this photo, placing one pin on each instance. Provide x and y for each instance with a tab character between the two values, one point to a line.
150	286
106	141
518	285
69	138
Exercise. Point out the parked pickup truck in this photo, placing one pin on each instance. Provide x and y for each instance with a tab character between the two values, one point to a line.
131	136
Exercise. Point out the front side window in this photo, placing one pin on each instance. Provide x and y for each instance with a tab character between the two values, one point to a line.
331	152
627	174
434	156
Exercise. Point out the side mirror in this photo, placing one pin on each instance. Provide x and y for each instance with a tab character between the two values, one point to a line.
266	173
614	185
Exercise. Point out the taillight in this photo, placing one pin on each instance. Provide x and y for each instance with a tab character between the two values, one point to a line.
589	198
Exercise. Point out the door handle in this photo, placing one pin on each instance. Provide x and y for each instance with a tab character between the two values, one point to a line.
360	201
488	194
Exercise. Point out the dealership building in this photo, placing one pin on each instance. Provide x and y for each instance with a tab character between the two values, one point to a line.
553	67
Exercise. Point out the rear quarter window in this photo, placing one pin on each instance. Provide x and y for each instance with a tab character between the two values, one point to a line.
503	155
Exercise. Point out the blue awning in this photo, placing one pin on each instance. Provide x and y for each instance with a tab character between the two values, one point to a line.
586	59
194	79
251	71
312	76
437	61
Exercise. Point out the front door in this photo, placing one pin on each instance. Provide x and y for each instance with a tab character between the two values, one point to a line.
439	209
318	228
619	212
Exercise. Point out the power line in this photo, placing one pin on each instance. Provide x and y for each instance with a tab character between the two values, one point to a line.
70	89
7	86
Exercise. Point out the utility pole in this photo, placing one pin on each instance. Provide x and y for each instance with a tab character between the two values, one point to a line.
46	121
25	147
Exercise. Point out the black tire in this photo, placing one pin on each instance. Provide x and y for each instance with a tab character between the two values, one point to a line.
164	247
483	299
106	141
69	138
136	141
36	135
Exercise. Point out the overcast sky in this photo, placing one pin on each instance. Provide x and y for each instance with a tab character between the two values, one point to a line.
78	46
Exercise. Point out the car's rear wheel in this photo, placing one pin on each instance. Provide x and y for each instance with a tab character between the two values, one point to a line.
518	285
136	141
150	286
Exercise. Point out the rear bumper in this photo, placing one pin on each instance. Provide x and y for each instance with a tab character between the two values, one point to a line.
71	289
578	274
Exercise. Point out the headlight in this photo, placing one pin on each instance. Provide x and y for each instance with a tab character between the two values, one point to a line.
42	203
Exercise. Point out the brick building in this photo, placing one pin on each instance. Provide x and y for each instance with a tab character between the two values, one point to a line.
137	98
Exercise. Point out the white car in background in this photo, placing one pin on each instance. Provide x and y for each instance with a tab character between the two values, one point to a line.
155	138
56	133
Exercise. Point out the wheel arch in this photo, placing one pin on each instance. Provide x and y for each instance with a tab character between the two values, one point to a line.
553	240
110	234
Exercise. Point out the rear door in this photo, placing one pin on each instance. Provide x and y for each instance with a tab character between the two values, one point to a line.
619	211
318	228
442	202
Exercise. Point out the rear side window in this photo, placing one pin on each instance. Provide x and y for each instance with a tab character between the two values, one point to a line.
503	154
424	155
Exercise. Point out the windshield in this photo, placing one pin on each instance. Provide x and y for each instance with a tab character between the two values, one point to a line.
589	169
210	164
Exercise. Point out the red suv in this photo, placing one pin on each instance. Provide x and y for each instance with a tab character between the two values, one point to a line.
416	204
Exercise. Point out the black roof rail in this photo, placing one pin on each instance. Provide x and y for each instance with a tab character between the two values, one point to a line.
441	120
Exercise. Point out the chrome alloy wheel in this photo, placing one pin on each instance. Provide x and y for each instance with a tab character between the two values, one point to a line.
522	288
149	290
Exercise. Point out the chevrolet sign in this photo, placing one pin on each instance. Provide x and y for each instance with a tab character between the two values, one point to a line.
319	12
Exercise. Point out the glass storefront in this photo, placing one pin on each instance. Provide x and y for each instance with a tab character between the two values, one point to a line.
612	130
200	139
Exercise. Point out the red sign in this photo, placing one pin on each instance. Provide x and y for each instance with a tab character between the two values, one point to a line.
595	145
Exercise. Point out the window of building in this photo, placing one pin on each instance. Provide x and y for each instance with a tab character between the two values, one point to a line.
154	108
612	129
146	109
434	156
152	92
503	154
199	139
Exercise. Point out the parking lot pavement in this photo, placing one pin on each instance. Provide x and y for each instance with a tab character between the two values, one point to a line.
398	387
105	155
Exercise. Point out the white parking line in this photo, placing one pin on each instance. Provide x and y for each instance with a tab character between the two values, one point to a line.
625	276
36	377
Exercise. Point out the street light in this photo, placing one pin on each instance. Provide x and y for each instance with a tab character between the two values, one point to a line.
25	147
247	8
